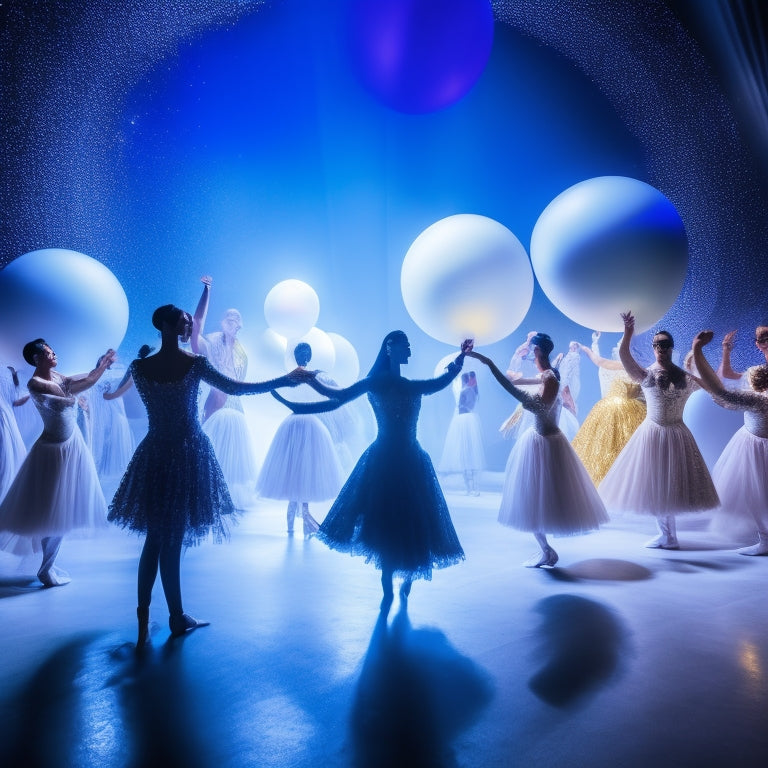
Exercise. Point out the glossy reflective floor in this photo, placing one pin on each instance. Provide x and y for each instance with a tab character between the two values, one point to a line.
619	656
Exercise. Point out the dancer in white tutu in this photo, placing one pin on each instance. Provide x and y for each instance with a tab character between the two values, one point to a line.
546	488
660	471
391	509
223	417
56	489
12	449
463	450
302	463
741	473
173	490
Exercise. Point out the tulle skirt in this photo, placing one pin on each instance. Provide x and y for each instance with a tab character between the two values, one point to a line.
302	463
660	472
463	450
227	429
55	491
174	488
546	488
12	449
117	448
741	476
605	432
392	512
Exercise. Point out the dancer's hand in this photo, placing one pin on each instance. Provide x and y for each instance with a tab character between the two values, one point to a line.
727	342
629	322
702	339
106	360
206	280
301	375
595	336
466	346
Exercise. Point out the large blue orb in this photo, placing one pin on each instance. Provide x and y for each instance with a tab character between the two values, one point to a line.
71	300
419	56
608	245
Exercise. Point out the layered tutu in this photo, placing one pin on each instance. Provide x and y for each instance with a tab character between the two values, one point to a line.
463	450
227	429
302	463
741	478
546	488
12	449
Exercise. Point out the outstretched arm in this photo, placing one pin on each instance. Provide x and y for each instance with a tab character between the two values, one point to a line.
196	339
125	384
343	395
601	362
75	385
233	387
430	386
516	392
631	366
319	407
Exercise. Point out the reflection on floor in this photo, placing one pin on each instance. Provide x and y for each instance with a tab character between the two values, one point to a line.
619	656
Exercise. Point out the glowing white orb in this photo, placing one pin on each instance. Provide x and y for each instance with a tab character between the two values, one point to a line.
323	352
291	308
346	368
608	245
67	298
467	276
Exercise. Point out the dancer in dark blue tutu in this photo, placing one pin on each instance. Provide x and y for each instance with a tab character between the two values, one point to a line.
391	509
173	490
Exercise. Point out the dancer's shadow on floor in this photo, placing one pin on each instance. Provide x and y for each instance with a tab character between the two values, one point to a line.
601	569
416	693
582	644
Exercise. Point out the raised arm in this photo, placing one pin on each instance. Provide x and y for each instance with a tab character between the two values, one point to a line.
725	371
430	386
601	362
708	379
76	385
516	392
196	339
630	365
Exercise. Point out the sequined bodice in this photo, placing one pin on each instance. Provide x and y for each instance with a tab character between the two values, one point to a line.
396	403
754	405
547	416
666	400
59	414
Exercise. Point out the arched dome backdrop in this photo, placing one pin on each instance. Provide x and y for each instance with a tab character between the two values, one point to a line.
171	140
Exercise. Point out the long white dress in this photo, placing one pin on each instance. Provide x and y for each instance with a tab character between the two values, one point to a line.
661	471
12	450
463	449
56	489
546	488
227	427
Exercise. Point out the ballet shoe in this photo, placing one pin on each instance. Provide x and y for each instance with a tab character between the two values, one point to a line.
761	548
662	541
53	577
547	559
183	623
142	614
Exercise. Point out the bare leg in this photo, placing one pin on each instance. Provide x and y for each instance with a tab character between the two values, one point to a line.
386	587
405	589
170	574
548	556
148	563
290	515
49	574
468	481
311	526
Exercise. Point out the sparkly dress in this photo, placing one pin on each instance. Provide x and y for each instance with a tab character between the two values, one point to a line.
174	485
227	427
391	509
463	449
56	489
609	425
661	470
546	488
741	473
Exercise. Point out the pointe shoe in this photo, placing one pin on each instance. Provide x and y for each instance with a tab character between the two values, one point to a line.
662	541
547	559
53	577
761	548
142	614
180	624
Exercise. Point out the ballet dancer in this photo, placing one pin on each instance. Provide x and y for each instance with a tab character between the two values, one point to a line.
56	489
173	490
546	488
302	463
660	471
391	509
741	473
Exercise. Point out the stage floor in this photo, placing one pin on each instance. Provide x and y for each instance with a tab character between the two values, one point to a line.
620	656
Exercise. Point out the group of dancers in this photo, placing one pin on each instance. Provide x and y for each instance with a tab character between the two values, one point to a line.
391	508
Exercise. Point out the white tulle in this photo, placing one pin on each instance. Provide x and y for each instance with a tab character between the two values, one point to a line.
463	449
12	450
302	463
